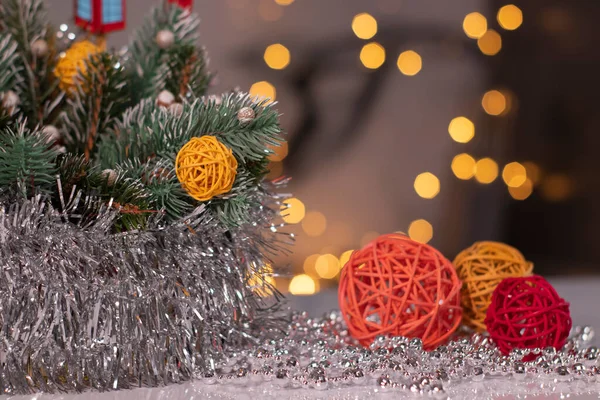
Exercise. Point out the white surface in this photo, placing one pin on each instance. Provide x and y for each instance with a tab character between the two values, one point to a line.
583	294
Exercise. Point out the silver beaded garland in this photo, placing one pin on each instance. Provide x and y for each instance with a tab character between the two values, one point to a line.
317	359
246	115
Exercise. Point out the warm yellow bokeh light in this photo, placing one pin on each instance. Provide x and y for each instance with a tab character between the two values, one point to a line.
486	170
514	174
364	26
263	90
557	187
490	43
463	166
409	62
521	192
461	129
510	17
534	172
293	211
284	2
494	102
420	230
372	55
309	264
427	185
345	257
279	152
475	25
302	285
327	266
368	237
277	56
314	224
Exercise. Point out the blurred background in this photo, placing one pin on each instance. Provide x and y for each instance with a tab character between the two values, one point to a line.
451	121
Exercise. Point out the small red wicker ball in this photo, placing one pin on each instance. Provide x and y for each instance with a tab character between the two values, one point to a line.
396	286
527	313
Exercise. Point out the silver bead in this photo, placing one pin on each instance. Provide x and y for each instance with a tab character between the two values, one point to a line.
165	39
241	372
384	381
176	109
477	374
437	390
39	48
519	370
246	115
415	344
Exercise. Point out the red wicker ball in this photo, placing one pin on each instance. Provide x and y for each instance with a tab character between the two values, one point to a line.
527	313
396	286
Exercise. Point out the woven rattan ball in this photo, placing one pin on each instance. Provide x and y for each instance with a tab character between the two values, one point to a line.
527	313
396	286
74	60
481	268
205	167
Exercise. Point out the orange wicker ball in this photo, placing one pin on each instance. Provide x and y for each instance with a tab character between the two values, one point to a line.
205	167
396	286
482	267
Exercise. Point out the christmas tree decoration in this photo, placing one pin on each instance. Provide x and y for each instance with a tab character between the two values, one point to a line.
9	100
51	133
396	286
100	16
136	282
73	64
165	99
481	268
39	48
165	39
206	168
527	313
176	108
246	115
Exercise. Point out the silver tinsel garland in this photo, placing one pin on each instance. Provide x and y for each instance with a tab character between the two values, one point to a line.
82	307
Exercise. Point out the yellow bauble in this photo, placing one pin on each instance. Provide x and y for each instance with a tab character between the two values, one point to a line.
481	268
73	60
205	167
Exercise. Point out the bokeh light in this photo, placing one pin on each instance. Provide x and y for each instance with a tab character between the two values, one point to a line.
284	2
523	191
494	102
372	55
490	43
314	223
327	266
420	230
409	62
475	25
461	129
534	172
557	187
309	264
263	90
427	185
302	285
277	56
463	166
293	211
364	26
279	152
345	257
486	170
510	17
514	174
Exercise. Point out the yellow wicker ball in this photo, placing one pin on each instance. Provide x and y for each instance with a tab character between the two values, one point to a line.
481	268
73	60
205	167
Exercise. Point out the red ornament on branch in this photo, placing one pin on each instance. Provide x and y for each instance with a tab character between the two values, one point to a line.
100	16
527	313
396	286
187	4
